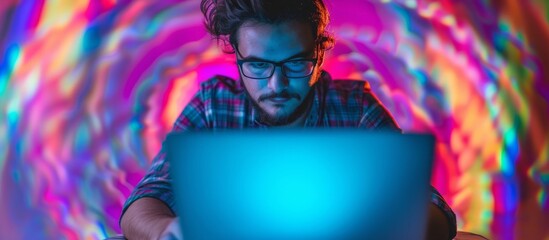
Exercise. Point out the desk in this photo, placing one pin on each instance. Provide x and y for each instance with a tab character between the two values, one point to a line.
460	236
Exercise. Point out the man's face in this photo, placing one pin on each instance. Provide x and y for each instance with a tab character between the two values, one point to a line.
280	99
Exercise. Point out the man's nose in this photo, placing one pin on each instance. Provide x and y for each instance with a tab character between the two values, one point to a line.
278	81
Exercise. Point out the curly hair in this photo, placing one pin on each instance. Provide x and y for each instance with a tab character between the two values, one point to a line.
223	18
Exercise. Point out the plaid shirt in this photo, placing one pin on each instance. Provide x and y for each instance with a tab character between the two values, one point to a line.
222	103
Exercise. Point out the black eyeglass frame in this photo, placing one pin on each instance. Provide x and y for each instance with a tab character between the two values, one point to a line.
280	64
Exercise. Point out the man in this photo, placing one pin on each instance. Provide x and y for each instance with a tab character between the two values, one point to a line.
279	46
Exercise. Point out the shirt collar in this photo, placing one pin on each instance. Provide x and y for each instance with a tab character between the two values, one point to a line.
313	117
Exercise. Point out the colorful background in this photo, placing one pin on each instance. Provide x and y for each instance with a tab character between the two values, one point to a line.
88	90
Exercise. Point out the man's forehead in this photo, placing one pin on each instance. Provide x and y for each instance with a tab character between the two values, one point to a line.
274	41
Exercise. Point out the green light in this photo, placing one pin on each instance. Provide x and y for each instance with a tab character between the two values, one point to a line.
13	54
3	83
13	117
542	197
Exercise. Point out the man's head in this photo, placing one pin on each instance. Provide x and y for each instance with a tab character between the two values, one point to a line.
280	47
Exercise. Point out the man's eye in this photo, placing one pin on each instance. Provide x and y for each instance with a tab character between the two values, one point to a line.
258	64
296	63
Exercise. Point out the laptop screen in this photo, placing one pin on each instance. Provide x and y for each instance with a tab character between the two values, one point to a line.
301	184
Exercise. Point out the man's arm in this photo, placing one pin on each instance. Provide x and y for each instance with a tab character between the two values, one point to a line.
146	218
147	212
437	224
441	222
441	218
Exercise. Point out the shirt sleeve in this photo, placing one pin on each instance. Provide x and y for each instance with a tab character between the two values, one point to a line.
157	182
438	200
375	116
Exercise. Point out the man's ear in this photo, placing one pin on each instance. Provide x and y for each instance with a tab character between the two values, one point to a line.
320	59
318	69
234	49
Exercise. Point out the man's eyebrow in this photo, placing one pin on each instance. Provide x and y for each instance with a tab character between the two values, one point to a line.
297	55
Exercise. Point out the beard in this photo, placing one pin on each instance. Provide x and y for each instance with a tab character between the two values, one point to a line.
281	119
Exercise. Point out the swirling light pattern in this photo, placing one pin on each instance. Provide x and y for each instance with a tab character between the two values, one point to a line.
88	90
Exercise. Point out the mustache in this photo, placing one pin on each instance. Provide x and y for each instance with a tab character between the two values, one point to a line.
283	94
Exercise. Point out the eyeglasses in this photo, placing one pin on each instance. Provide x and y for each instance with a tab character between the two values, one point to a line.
260	69
294	68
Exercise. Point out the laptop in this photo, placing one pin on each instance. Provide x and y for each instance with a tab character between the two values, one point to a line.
301	184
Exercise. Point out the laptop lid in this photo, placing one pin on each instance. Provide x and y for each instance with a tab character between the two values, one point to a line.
301	184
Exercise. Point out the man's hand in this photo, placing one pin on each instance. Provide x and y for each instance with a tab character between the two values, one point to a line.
172	232
146	218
